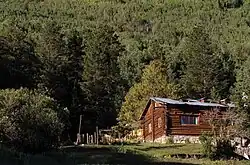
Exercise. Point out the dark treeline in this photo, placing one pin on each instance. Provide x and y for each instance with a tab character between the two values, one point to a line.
103	59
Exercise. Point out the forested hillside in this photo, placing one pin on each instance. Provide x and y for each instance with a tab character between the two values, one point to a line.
104	59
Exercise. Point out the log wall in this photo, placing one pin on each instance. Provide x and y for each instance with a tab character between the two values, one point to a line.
155	117
169	119
176	128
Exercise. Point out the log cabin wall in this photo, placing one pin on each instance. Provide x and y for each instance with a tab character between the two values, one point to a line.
154	122
147	123
159	121
162	119
174	114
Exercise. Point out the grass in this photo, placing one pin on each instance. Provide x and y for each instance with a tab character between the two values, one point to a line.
115	154
160	150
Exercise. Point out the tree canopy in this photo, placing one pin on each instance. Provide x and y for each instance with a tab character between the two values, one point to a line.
154	82
29	121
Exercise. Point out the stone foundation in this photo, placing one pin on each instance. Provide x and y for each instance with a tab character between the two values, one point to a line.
178	139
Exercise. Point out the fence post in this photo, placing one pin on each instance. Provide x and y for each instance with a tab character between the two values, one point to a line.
94	137
83	140
97	135
87	138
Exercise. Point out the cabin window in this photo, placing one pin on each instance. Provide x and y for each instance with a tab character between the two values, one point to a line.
149	128
159	122
185	119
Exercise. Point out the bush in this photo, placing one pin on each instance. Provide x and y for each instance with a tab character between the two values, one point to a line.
206	140
224	149
28	120
221	149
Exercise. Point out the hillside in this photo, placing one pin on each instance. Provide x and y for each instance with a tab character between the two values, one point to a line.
103	59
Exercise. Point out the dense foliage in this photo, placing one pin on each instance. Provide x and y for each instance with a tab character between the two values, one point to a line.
28	120
89	55
154	83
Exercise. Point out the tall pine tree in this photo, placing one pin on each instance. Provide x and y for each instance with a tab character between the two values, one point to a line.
61	78
241	94
207	70
102	80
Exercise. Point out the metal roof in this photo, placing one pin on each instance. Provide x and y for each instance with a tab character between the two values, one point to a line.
194	103
165	100
190	102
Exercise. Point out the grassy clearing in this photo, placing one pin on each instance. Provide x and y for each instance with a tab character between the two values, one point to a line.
103	154
159	150
159	153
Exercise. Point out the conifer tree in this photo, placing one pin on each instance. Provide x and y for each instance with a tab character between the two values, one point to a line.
207	72
102	80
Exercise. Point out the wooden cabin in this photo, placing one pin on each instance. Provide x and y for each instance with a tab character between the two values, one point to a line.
164	117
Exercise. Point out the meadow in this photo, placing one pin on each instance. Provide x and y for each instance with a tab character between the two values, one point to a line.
113	154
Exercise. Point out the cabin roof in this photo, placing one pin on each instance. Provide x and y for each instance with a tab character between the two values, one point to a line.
190	102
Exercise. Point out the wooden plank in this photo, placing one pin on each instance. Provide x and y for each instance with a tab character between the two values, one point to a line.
144	134
87	135
80	124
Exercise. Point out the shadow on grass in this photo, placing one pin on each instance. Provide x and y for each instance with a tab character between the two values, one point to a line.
111	155
159	147
86	149
85	155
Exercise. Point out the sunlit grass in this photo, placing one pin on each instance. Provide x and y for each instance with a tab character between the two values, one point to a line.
167	149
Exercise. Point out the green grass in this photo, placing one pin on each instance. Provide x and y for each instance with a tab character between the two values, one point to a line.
116	154
160	150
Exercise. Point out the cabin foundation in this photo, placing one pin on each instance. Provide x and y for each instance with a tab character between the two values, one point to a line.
177	139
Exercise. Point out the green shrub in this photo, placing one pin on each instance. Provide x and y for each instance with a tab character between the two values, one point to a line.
223	149
216	148
206	140
28	120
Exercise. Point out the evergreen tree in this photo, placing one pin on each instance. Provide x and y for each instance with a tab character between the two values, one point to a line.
242	87
19	65
102	80
61	78
207	71
241	94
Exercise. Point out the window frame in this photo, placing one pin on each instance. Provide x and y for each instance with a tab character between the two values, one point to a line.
191	115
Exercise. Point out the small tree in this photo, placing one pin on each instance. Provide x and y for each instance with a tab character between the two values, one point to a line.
225	126
154	82
28	120
206	140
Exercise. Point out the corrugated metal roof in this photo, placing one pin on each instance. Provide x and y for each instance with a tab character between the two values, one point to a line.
165	100
206	104
195	103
